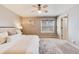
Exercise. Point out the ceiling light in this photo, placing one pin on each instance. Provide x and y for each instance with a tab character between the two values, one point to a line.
39	11
40	8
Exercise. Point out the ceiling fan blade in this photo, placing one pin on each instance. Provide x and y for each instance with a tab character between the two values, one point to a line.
46	11
35	6
45	6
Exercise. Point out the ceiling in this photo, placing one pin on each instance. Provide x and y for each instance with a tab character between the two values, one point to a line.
26	9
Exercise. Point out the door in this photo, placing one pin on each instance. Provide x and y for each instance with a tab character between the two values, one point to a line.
64	28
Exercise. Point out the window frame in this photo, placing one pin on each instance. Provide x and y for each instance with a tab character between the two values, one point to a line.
54	27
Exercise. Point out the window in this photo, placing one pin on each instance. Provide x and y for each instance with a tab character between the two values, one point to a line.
47	26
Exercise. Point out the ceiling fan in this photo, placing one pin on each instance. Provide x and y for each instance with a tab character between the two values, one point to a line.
40	8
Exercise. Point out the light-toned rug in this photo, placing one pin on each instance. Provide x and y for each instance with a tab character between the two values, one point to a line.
56	46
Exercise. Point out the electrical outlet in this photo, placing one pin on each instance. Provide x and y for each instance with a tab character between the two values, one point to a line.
74	42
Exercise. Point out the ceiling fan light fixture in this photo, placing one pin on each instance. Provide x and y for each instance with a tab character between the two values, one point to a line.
40	8
39	11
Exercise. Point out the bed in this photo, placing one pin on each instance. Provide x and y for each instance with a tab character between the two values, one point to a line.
20	44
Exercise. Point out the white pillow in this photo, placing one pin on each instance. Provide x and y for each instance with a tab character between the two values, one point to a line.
18	31
3	40
3	37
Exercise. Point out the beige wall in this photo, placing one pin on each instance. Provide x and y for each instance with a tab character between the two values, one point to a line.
7	17
34	26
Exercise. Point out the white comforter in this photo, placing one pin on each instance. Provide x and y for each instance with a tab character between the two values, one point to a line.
20	44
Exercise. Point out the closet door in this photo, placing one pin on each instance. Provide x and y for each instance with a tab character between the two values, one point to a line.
59	27
64	28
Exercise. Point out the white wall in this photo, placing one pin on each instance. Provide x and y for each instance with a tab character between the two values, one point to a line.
7	18
74	24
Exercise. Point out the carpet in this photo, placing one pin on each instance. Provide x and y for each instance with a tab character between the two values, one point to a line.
56	46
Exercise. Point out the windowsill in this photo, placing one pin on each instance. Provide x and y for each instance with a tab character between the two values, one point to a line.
47	32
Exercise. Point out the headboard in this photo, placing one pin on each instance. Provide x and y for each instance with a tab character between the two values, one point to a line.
10	30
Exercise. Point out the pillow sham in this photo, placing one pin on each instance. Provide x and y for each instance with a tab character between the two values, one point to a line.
11	32
3	37
14	32
3	40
